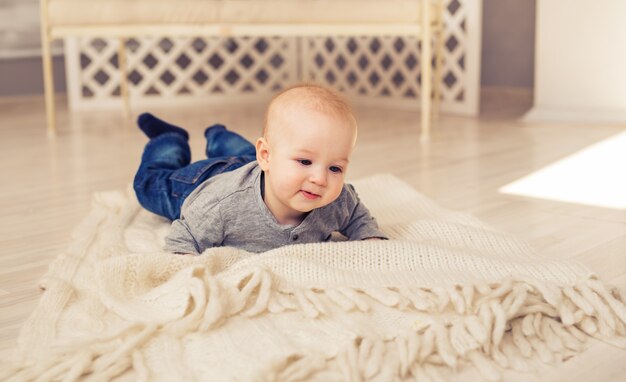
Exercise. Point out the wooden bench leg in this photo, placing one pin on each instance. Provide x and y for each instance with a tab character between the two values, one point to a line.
425	60
121	62
439	39
48	79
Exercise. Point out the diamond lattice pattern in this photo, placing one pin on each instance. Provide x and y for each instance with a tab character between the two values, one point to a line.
175	67
389	66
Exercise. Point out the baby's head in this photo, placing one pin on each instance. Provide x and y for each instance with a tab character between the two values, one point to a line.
308	137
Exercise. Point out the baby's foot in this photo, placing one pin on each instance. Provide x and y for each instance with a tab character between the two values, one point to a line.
153	127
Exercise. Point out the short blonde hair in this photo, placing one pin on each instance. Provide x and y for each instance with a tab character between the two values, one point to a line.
313	97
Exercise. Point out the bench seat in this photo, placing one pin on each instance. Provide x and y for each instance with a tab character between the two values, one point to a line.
148	12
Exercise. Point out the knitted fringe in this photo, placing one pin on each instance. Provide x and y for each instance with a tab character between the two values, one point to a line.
495	326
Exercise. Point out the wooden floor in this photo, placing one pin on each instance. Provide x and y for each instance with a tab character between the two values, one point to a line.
47	185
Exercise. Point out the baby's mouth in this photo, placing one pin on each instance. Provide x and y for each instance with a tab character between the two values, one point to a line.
309	195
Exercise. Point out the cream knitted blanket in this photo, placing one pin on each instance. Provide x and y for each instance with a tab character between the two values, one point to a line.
447	292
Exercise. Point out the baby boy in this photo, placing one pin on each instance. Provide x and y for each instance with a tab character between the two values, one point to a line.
287	189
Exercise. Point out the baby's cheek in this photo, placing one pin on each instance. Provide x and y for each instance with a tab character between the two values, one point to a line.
336	192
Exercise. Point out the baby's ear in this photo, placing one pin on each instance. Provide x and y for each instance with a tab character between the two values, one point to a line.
263	153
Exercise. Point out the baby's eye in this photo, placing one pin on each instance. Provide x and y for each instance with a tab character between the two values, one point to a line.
336	169
305	162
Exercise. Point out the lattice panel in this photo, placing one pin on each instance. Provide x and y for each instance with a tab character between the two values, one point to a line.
380	69
162	69
389	67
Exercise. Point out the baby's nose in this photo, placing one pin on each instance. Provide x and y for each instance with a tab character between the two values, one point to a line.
319	177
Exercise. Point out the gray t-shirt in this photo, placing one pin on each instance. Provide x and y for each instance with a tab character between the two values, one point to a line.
228	210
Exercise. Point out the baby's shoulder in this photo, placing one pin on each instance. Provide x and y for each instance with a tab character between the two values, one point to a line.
348	194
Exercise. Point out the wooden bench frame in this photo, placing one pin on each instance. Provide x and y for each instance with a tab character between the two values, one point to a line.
430	25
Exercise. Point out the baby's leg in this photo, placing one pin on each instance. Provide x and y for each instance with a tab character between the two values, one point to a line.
155	191
221	142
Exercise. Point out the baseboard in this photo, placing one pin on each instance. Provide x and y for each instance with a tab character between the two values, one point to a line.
543	114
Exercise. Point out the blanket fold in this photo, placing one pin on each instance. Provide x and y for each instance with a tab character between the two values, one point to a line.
447	292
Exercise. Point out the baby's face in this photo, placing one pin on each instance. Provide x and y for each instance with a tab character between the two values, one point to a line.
307	163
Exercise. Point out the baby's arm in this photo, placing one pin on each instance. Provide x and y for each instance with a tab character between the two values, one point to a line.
361	224
195	231
180	240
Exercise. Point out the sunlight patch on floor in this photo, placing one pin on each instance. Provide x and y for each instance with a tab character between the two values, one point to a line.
594	176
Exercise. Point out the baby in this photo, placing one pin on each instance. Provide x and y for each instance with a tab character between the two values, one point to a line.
288	189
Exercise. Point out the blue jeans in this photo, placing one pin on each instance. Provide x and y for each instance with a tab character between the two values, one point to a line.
166	177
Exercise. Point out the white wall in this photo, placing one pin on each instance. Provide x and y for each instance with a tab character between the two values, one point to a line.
580	61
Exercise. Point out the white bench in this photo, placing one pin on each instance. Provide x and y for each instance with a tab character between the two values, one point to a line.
136	18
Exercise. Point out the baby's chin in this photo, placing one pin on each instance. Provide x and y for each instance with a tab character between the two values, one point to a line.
308	209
